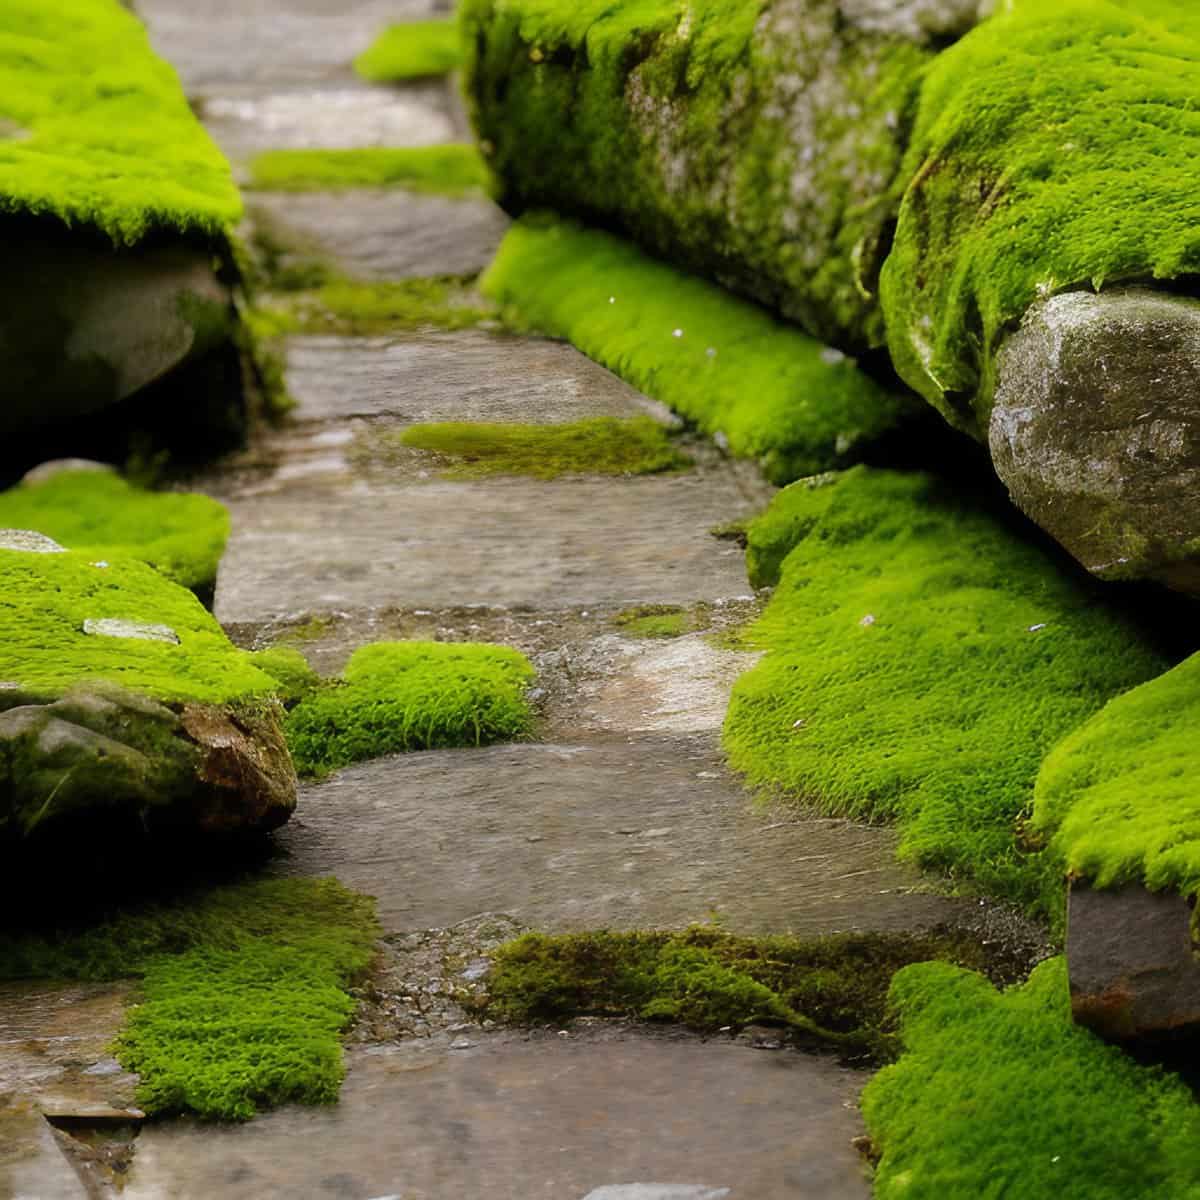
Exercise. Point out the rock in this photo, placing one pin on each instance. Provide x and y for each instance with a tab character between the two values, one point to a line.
29	541
1131	961
63	466
1095	429
915	19
657	1191
137	630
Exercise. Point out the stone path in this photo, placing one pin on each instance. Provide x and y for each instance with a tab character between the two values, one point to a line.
624	815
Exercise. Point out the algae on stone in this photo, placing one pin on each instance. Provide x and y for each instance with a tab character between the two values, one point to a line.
103	516
413	50
723	363
243	989
1002	1094
449	170
922	658
109	141
1120	795
402	696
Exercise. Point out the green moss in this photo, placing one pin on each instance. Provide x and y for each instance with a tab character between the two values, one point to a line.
402	696
46	598
831	989
243	990
101	515
922	660
451	170
773	393
289	668
413	50
357	308
654	621
1119	794
1001	1094
1052	150
108	138
595	446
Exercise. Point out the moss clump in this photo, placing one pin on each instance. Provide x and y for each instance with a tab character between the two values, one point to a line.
243	990
402	696
1051	150
773	393
414	50
922	660
832	989
654	621
290	670
101	515
595	446
453	170
46	598
1001	1094
108	140
1119	794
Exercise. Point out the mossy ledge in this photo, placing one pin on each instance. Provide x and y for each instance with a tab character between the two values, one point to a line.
1001	1094
451	170
770	392
243	990
825	991
403	696
922	659
412	50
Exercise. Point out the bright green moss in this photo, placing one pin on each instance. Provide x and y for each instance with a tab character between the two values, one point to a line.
46	598
452	170
1120	794
1002	1095
595	446
654	621
243	990
108	139
356	308
832	989
725	364
290	670
413	50
101	515
401	696
1053	149
922	660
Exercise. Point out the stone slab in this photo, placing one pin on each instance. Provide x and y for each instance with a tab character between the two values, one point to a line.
387	233
621	834
513	1120
32	1167
461	376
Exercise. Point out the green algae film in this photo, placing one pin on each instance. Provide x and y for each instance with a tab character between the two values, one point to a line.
450	170
412	50
921	660
1001	1094
726	365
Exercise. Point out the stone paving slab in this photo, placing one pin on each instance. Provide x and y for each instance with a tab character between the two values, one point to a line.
559	1119
381	234
467	375
316	547
647	832
32	1167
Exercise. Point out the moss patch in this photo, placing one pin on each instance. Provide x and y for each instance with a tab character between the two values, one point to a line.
452	170
46	598
413	50
922	660
1052	149
243	990
830	989
595	446
654	621
1120	794
402	696
773	393
109	140
290	670
1001	1094
101	515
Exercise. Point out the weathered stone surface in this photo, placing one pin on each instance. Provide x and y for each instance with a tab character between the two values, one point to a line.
138	631
1132	962
63	466
1096	430
82	328
916	19
29	542
105	755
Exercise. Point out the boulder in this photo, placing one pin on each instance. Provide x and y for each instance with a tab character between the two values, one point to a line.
1095	429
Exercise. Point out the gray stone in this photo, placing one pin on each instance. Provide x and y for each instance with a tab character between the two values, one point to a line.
657	1191
1095	430
916	19
29	541
82	328
138	631
32	1167
1132	962
63	466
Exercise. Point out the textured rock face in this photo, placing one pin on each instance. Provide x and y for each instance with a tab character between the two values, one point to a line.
105	753
1095	429
1131	962
82	328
